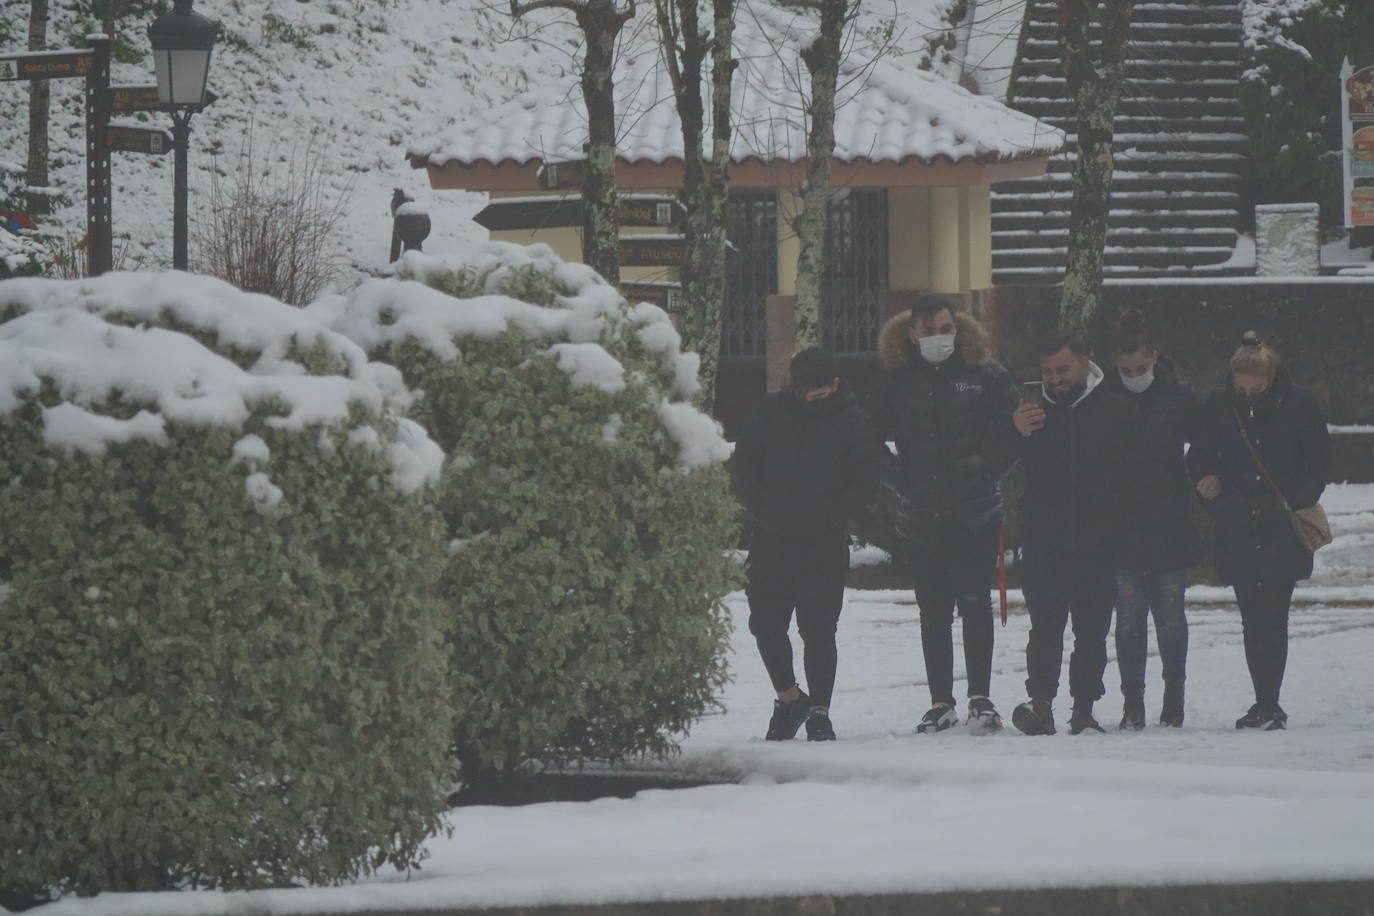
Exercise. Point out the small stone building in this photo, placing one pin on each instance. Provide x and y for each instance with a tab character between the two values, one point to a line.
914	158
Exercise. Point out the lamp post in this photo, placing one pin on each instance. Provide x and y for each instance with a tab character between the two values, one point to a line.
182	41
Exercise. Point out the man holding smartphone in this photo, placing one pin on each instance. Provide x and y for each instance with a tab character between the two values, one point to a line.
940	396
1077	441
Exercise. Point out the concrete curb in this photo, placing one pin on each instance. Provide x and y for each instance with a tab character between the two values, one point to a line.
1303	898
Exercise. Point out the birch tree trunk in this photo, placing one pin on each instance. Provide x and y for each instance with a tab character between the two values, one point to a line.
822	60
36	169
717	200
1094	74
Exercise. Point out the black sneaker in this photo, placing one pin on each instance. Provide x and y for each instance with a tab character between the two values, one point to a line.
1034	717
940	717
1264	717
1133	714
1172	712
1081	720
983	716
787	718
818	727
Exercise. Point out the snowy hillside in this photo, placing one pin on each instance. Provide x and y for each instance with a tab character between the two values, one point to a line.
354	81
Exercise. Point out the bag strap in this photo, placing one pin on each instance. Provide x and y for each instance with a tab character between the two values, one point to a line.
1260	464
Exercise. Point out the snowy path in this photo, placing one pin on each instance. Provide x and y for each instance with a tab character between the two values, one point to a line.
884	810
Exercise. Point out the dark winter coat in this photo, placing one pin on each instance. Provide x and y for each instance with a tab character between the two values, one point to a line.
1078	467
1161	535
1253	541
802	470
940	417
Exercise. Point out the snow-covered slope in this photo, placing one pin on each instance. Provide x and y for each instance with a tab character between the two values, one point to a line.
353	81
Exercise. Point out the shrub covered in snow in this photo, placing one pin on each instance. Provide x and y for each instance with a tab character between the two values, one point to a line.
223	661
22	256
1290	95
586	502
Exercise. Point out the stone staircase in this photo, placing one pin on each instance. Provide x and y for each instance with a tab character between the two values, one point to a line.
1181	164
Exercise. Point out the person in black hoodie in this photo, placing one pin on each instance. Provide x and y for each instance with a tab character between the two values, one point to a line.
1161	542
803	465
1078	451
940	395
1255	548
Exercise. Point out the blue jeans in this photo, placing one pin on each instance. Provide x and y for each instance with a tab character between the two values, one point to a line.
1137	596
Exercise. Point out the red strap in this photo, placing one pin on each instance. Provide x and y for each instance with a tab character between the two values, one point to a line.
1002	569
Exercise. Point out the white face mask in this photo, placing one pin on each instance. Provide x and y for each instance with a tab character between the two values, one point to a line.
1141	382
936	348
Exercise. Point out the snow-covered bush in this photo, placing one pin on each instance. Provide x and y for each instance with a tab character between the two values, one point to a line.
221	657
586	502
22	256
1290	95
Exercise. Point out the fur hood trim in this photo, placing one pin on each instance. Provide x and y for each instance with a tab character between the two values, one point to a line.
970	340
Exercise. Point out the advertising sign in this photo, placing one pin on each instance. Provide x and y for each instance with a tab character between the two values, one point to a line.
1357	123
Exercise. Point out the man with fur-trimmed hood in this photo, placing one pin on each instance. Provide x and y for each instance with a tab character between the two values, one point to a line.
939	396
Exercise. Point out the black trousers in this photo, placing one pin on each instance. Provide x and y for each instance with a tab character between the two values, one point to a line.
956	571
1264	617
1081	589
805	576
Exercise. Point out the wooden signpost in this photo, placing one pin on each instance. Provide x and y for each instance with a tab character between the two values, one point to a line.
663	295
133	98
560	212
652	250
561	175
46	65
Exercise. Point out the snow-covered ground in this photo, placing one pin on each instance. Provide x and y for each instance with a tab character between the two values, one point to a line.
885	810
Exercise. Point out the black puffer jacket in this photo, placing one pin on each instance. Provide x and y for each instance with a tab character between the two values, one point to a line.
1078	467
802	470
1253	541
940	418
1161	535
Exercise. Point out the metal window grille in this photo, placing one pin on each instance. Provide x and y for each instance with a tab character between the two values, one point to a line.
751	270
854	288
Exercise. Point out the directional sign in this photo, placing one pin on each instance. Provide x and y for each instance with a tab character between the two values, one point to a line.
663	295
558	175
556	212
134	98
43	65
652	250
139	140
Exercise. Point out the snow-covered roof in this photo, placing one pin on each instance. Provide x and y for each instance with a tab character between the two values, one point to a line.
884	112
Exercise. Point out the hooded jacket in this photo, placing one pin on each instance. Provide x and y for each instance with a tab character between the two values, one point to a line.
1161	535
1253	541
801	470
940	417
1079	467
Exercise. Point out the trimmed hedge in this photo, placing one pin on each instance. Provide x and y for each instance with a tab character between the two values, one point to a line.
588	510
223	660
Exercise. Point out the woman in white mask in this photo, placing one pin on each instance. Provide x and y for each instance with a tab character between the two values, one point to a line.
1161	542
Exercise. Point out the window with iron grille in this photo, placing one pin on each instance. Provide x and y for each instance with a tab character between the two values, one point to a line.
854	288
751	271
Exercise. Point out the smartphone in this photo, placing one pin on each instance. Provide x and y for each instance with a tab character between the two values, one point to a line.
1033	392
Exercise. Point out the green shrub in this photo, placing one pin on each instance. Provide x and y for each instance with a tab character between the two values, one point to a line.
22	256
224	661
1290	94
587	506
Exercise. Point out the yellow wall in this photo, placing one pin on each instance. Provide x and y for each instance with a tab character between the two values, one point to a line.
908	238
976	264
946	238
789	246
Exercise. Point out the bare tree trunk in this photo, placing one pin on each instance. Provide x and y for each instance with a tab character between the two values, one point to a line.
600	230
822	60
36	170
685	46
1094	79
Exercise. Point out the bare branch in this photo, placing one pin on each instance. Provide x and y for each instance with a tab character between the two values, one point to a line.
518	9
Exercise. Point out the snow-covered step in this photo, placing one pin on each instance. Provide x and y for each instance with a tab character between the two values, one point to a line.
1047	219
1039	199
1136	69
1160	256
1056	87
1155	31
1134	237
1153	161
1050	275
1172	13
1133	108
1208	147
1230	49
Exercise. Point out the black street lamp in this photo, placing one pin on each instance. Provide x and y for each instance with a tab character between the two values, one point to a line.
182	41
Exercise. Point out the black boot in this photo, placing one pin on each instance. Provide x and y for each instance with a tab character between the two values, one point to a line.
1034	717
1081	720
1133	713
1172	712
787	718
